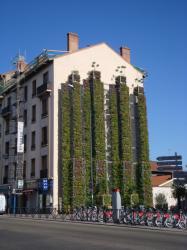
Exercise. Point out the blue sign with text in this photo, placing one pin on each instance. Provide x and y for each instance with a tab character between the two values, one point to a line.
44	184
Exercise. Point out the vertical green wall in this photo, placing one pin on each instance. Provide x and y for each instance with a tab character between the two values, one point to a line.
120	138
144	186
82	127
66	149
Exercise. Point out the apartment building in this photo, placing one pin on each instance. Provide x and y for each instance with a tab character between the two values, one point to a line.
40	90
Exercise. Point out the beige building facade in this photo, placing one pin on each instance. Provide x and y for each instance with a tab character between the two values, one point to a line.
40	82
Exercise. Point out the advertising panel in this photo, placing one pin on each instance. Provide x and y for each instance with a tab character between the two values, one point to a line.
20	140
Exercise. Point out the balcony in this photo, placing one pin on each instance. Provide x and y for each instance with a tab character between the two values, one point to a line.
44	144
6	131
44	115
43	90
43	173
6	111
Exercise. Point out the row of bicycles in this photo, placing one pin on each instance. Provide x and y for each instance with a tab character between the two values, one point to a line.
128	216
156	218
149	217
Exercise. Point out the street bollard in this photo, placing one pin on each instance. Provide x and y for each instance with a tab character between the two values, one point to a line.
116	205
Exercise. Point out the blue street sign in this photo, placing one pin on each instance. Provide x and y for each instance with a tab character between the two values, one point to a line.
44	184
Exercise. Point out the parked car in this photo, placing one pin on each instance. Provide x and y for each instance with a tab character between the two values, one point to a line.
2	204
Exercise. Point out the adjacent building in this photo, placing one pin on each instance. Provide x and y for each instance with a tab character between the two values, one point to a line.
85	128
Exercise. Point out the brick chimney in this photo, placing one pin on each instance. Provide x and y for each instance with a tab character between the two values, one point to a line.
125	53
72	42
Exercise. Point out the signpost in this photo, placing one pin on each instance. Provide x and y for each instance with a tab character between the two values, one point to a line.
173	162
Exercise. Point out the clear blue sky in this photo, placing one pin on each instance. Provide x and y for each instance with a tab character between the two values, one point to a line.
156	32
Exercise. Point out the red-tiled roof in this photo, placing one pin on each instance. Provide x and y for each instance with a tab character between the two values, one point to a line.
157	180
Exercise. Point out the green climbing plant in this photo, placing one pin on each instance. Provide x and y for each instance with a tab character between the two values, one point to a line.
114	137
87	151
77	151
98	132
66	155
121	139
125	139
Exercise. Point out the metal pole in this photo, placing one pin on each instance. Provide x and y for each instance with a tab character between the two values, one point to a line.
91	160
20	155
94	65
14	204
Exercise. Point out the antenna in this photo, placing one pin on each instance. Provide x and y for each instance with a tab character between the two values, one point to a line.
25	54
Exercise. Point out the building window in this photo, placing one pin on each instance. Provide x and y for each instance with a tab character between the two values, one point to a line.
24	169
25	117
43	171
15	170
45	77
33	113
7	123
33	137
32	167
7	148
15	147
25	143
5	178
25	93
44	107
33	88
44	162
44	136
9	101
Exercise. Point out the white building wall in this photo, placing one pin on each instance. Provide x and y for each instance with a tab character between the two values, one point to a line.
81	61
167	191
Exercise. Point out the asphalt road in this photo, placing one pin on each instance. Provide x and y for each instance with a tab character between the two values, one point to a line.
28	234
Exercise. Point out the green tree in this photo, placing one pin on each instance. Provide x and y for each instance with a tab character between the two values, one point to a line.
161	201
179	192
